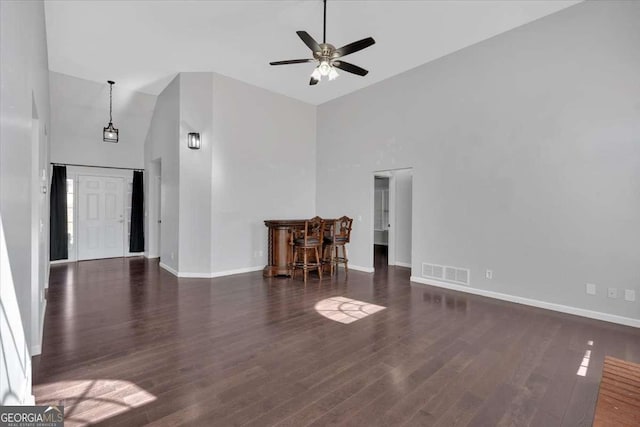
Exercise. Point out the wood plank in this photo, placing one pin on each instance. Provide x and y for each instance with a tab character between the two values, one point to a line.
619	395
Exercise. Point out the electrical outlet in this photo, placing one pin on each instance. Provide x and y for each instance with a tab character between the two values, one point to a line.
260	253
489	274
629	295
591	289
173	255
612	293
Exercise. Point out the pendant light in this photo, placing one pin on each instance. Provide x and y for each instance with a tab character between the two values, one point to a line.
110	133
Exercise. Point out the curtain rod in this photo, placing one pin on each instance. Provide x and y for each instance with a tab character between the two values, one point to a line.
94	166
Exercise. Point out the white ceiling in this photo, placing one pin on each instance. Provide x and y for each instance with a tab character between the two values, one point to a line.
143	44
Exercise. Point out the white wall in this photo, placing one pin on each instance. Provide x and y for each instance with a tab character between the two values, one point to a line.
196	115
25	96
525	152
80	111
162	146
257	162
264	167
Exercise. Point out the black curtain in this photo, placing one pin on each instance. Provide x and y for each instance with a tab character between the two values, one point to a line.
136	240
58	239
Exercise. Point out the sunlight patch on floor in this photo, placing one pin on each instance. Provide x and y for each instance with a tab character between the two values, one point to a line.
346	310
89	401
584	365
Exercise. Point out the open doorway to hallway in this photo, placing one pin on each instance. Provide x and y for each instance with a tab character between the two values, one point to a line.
393	197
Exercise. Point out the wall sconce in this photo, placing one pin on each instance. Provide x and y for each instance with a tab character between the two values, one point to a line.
193	140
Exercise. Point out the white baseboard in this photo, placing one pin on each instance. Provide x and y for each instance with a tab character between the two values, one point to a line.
61	261
146	255
23	396
189	275
66	261
169	269
403	264
532	302
36	350
237	271
360	268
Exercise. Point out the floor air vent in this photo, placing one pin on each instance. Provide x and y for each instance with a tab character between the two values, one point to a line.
446	273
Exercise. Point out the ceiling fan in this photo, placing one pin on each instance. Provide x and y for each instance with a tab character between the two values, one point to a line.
327	56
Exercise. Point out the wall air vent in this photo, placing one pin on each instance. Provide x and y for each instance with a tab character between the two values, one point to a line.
457	275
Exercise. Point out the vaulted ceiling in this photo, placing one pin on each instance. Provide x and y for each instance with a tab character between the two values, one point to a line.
143	44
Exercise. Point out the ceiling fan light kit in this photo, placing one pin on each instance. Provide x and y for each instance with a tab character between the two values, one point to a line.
327	56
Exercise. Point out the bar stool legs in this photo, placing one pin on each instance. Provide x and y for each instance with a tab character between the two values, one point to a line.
306	265
334	258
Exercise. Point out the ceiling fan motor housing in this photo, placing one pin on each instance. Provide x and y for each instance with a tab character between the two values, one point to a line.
326	53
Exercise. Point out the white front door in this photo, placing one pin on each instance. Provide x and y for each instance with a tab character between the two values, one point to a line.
100	217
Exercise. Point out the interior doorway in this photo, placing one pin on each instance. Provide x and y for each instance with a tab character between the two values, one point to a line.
381	223
392	217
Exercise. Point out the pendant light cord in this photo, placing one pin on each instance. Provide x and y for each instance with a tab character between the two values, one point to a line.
110	102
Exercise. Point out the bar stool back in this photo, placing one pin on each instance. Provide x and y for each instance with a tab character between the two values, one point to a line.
340	235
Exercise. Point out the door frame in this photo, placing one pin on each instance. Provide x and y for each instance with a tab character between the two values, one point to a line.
391	224
73	172
153	209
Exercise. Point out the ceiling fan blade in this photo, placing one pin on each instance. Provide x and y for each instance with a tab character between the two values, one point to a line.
350	68
291	61
313	81
354	47
309	41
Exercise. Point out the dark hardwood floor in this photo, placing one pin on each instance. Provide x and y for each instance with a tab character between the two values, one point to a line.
127	343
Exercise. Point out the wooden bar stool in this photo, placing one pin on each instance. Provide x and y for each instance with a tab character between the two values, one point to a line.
303	241
339	236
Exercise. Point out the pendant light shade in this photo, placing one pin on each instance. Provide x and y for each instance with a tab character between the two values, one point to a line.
110	133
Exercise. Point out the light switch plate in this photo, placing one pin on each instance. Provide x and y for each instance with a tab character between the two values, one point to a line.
591	289
612	293
489	274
